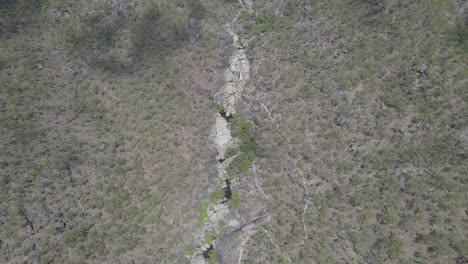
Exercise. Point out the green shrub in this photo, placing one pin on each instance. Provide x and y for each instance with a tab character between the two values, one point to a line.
216	196
234	201
265	23
245	134
395	247
220	108
209	238
190	250
202	211
243	161
230	152
213	257
461	33
222	223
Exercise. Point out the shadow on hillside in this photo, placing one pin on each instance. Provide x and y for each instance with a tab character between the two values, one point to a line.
117	40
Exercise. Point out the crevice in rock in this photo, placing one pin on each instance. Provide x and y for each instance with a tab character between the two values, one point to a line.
206	252
214	213
226	116
227	190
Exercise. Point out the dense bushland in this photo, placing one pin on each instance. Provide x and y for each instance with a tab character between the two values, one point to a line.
371	97
104	127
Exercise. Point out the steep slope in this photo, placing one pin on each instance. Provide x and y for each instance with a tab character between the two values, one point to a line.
223	229
264	131
105	118
360	114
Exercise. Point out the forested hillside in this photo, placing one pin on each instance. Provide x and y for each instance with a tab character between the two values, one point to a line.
104	127
349	137
367	101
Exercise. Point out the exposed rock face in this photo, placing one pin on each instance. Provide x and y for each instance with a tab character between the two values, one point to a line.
198	259
238	72
222	136
236	77
229	247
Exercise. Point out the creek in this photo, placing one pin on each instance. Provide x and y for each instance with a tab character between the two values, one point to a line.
236	77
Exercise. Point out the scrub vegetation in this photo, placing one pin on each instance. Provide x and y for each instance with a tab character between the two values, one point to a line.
367	101
351	134
104	115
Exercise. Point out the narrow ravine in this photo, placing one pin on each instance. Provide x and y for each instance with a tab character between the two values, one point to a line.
219	216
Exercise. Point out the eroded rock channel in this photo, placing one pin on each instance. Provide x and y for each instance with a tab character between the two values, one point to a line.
218	216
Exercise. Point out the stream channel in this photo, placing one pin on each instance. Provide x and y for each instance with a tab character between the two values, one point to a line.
219	215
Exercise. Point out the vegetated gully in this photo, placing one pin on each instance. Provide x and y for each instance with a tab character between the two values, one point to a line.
236	77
